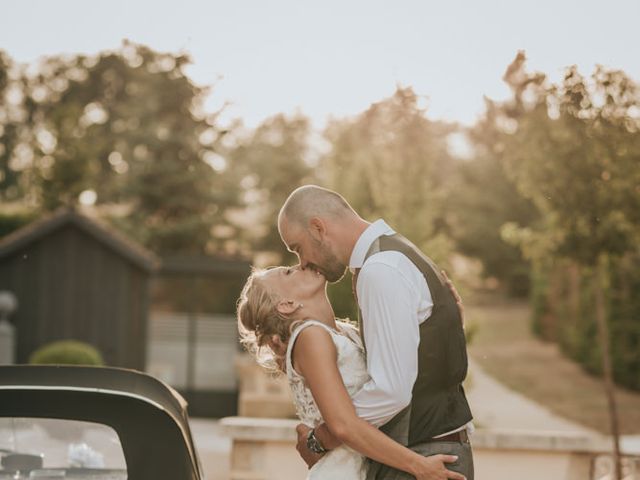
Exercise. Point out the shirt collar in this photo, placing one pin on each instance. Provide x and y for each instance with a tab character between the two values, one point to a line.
373	231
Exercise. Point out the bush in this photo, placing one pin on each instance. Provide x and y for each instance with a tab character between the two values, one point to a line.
67	352
564	312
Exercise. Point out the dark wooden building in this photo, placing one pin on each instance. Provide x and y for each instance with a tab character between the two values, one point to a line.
76	278
193	334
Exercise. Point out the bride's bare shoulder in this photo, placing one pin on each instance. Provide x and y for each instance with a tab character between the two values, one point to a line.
312	331
313	340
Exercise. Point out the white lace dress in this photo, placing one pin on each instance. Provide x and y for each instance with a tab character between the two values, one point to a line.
341	463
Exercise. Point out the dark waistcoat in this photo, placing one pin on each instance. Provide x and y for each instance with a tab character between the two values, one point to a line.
438	403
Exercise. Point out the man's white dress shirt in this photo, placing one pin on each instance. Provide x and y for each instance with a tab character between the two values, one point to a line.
394	300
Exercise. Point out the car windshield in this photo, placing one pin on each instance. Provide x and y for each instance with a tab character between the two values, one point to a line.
45	448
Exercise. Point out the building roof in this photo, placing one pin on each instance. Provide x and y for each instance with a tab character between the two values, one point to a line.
104	234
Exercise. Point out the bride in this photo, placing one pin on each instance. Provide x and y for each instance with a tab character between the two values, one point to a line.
286	320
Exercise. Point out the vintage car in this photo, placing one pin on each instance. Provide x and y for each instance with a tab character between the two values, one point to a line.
59	422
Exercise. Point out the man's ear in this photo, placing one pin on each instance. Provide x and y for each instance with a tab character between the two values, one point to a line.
317	228
286	307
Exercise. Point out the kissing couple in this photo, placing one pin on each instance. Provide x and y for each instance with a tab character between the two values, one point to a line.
381	401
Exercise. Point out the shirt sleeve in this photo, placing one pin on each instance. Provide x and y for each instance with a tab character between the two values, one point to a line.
389	303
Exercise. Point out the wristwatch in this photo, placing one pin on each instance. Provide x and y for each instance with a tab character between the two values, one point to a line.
314	444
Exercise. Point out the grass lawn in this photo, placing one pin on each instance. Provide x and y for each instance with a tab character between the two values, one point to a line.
505	347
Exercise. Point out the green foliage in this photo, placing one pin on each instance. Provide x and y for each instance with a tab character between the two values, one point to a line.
566	314
625	327
16	114
485	200
13	221
470	332
341	297
267	165
392	162
67	352
130	126
573	149
538	297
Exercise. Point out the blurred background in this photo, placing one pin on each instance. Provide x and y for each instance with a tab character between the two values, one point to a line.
146	147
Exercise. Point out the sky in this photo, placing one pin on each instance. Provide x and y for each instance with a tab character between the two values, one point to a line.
333	58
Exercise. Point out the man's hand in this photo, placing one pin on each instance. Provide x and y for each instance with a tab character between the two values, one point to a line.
453	290
309	457
433	468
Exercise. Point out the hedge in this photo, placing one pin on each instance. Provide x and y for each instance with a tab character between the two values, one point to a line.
67	352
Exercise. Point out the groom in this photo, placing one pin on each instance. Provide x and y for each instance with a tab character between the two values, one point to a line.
410	325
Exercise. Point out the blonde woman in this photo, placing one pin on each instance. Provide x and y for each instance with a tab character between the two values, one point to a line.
286	320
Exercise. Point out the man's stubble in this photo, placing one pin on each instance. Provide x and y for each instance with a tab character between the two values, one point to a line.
329	266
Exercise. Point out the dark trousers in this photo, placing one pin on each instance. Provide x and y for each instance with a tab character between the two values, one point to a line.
464	464
398	429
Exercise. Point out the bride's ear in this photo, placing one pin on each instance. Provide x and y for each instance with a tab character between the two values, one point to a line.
287	307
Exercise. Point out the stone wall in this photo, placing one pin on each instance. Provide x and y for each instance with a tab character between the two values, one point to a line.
264	449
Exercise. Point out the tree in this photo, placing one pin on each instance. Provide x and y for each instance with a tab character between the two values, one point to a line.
484	200
393	162
268	164
573	149
16	118
129	126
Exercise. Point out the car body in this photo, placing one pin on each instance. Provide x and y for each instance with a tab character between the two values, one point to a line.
109	423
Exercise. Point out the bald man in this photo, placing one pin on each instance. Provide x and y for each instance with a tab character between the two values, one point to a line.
410	323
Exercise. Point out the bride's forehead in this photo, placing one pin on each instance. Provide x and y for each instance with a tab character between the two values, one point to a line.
273	279
271	273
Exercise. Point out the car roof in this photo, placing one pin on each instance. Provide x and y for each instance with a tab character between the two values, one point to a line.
149	417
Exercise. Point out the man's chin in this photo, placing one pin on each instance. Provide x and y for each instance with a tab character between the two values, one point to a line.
334	277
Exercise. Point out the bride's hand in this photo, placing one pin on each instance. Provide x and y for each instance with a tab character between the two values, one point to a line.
455	294
309	457
434	468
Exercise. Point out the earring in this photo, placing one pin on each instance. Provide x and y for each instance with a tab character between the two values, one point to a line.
300	305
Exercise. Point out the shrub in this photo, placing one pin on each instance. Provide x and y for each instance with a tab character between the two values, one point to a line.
573	322
67	352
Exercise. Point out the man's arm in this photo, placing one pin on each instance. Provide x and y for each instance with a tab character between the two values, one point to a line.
390	296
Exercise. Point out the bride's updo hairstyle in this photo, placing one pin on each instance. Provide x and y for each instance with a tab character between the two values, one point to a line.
259	319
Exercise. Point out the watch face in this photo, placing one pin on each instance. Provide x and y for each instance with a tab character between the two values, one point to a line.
314	444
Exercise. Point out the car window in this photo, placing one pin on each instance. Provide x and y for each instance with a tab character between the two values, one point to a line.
47	448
